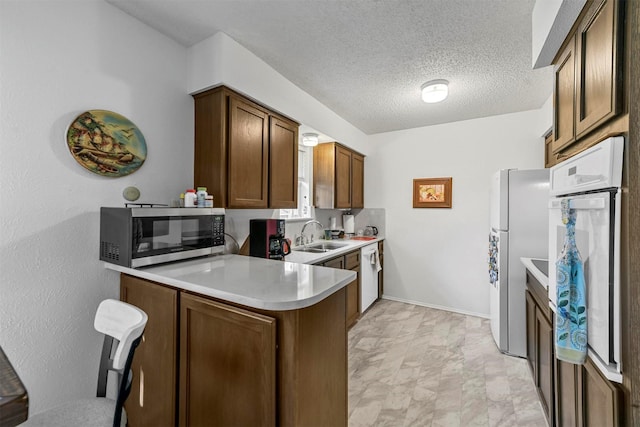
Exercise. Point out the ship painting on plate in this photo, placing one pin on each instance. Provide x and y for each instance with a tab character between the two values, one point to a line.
106	143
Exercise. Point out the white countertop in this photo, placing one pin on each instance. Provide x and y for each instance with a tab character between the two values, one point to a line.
253	282
539	275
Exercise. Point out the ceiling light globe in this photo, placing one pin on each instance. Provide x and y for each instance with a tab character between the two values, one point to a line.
435	91
310	139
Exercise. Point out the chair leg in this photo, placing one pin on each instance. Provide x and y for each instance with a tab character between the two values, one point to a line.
105	366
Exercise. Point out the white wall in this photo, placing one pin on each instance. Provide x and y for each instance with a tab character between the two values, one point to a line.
438	257
58	59
551	21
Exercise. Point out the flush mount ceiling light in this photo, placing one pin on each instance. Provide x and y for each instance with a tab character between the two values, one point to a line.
435	91
310	139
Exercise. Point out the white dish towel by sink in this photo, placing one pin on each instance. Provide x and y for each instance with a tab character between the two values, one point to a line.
374	259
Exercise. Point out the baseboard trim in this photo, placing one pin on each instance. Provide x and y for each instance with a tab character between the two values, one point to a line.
437	307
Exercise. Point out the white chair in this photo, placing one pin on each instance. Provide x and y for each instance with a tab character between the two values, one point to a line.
122	324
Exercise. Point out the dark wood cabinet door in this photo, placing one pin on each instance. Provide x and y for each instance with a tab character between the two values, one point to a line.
600	398
283	164
350	261
597	56
564	99
545	358
324	175
248	155
357	181
343	178
566	392
353	306
532	348
227	365
210	144
335	263
153	392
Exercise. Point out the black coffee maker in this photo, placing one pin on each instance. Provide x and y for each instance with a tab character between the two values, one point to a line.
266	239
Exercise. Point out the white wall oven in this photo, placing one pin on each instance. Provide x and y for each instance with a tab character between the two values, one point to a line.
591	182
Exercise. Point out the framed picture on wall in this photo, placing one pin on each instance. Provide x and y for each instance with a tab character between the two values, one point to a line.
432	192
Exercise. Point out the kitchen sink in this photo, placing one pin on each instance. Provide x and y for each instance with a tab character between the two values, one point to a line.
318	248
310	250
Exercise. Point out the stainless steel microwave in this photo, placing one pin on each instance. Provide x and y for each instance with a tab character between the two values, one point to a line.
137	237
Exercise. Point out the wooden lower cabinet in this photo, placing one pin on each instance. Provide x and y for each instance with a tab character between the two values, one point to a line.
600	398
205	362
530	307
540	354
153	400
353	307
566	394
545	363
235	351
584	397
570	395
350	261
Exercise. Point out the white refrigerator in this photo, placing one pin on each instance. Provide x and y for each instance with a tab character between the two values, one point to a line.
519	228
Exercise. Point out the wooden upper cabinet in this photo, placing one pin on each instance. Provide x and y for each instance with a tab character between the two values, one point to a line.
357	181
283	163
245	154
597	68
343	178
210	148
564	99
248	155
588	79
338	177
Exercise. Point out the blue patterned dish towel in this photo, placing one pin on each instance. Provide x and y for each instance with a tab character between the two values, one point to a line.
571	315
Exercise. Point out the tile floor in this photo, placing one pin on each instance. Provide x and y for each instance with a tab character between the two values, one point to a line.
417	366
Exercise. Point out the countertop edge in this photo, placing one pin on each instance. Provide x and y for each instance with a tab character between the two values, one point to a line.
235	298
544	280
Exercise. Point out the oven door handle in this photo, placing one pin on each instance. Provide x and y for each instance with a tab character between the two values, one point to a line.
598	203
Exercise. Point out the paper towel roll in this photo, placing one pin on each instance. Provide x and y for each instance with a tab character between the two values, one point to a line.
333	223
349	223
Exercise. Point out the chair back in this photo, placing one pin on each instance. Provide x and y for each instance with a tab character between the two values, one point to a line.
123	324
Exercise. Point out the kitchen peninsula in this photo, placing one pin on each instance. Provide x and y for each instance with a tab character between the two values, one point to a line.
235	340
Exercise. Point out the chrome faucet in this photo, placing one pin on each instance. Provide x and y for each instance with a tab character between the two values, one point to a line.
301	240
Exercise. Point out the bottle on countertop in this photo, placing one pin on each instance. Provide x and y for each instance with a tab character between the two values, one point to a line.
190	198
181	202
201	196
208	201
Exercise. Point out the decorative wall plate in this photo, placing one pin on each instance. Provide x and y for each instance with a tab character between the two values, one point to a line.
106	143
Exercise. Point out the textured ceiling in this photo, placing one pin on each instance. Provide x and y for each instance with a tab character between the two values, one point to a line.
366	59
